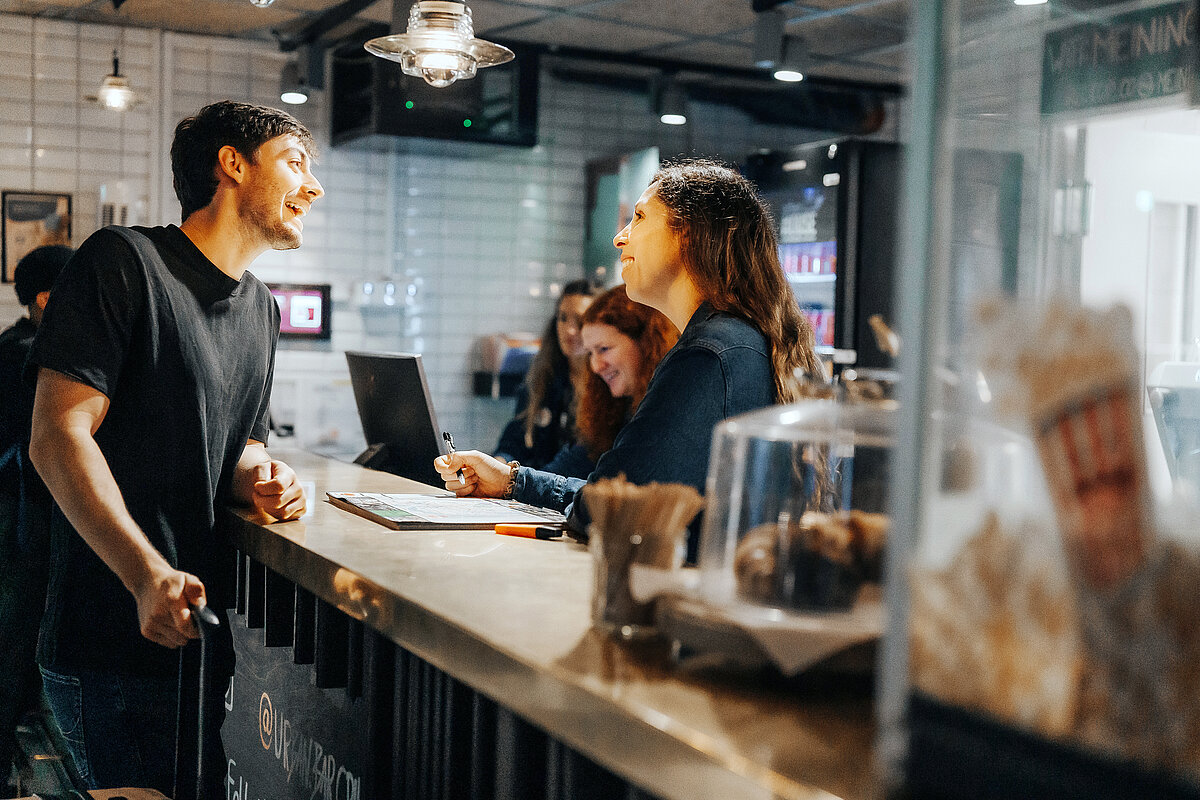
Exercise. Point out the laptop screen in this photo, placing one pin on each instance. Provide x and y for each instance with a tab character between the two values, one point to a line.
397	414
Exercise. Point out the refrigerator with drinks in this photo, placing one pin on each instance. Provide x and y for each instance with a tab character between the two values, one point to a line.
834	205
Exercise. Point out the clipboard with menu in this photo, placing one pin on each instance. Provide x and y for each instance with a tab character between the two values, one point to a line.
421	511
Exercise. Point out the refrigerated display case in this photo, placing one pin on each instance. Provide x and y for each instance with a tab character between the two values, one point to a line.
835	206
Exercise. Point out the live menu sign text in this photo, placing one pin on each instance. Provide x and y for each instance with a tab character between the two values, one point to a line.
1146	54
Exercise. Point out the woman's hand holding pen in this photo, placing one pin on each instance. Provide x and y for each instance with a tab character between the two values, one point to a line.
483	475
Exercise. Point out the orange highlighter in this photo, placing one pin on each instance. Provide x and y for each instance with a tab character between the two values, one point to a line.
528	531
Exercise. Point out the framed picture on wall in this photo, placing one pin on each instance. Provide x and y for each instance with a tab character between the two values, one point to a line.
29	220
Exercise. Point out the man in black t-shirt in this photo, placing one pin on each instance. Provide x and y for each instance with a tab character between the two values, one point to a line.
24	504
154	365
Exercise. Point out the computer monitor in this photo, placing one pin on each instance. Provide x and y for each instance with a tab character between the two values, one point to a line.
397	415
305	310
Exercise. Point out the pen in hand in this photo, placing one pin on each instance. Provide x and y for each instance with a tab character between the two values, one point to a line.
450	446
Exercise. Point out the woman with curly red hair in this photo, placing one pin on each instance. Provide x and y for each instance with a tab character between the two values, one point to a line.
612	325
623	342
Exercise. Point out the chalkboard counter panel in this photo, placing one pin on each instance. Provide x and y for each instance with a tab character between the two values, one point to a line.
510	618
285	737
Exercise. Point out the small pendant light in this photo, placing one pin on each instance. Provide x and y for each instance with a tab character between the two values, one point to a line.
292	88
440	44
114	92
670	101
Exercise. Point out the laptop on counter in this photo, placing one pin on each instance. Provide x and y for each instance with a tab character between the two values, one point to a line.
397	415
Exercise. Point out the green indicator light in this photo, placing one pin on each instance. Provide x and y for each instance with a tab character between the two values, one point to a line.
408	103
466	123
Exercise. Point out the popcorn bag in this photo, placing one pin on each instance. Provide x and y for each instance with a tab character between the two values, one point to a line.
1071	375
1088	637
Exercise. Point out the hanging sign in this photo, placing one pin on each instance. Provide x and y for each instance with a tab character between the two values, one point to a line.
1146	54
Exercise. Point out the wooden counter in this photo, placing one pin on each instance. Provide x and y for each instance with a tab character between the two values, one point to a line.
509	618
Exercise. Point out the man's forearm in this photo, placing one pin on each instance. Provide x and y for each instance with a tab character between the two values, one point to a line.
74	469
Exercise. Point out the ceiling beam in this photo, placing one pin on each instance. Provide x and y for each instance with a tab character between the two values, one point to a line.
768	102
748	74
321	24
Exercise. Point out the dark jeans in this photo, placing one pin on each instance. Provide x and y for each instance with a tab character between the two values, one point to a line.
119	728
22	597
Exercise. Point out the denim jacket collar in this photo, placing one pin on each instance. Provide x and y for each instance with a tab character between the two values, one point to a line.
698	318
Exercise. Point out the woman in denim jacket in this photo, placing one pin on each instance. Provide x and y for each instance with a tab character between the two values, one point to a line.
701	249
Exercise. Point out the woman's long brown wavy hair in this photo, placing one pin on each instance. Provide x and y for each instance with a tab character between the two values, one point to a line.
601	415
550	359
728	246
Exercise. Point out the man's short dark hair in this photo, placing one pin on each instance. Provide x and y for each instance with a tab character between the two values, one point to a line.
199	138
35	273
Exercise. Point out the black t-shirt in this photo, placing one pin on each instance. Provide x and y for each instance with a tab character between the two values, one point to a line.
185	355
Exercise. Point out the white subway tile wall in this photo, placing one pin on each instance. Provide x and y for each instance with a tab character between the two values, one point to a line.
453	240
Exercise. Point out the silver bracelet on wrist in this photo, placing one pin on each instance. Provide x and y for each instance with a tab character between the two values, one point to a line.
513	466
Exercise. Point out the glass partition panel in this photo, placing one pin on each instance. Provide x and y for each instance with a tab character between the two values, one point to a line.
1040	636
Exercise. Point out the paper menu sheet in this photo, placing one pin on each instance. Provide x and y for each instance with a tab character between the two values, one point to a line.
400	511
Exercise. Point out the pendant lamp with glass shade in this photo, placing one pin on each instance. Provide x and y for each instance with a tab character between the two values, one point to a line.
114	92
439	45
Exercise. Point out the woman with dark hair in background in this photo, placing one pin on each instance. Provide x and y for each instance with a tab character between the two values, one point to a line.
545	418
701	248
623	341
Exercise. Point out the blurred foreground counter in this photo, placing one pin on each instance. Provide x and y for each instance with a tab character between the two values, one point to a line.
430	664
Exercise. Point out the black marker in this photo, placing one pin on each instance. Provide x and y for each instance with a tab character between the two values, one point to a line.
450	444
204	617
